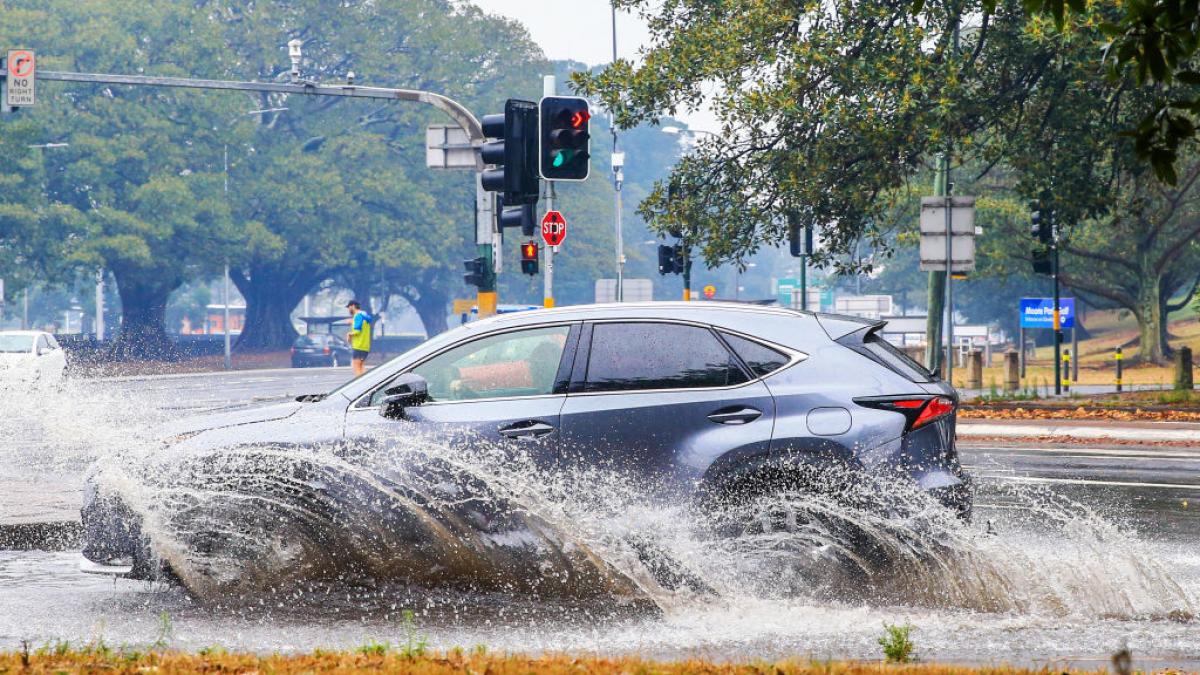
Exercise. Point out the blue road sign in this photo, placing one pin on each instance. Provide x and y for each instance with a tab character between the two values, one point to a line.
1039	313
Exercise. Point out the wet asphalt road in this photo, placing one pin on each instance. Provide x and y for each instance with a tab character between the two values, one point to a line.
1153	491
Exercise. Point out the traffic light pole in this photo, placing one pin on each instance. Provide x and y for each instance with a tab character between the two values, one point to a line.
548	280
549	88
486	229
1057	317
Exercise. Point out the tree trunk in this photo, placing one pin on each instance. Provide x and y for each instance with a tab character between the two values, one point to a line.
1152	325
270	299
142	334
430	303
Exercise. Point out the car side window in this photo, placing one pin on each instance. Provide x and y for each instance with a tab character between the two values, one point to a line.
520	363
629	356
759	358
52	342
42	345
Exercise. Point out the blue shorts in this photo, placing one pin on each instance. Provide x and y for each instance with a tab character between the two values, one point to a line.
360	355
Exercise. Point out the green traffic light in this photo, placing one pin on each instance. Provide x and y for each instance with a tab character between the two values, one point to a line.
559	159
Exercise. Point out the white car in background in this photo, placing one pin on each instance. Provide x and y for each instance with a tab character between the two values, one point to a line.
30	357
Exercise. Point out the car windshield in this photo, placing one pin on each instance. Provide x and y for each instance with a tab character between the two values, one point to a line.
16	344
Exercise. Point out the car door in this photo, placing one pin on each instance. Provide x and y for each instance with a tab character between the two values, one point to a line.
501	387
662	400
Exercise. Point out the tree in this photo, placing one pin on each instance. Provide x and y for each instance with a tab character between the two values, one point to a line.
136	192
363	208
825	109
1157	40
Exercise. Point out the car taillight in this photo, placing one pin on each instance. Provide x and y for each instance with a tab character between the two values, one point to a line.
918	410
327	350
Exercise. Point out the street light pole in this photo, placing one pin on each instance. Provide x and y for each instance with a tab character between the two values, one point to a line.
618	162
225	280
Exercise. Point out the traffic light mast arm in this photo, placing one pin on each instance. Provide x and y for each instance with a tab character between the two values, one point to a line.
457	111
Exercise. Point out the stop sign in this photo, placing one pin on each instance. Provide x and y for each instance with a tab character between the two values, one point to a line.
554	228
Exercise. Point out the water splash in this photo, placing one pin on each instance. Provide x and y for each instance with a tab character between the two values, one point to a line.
463	515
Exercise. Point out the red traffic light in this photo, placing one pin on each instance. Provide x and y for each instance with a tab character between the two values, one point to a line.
580	118
529	258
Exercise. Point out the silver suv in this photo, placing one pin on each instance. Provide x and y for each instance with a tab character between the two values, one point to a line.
701	400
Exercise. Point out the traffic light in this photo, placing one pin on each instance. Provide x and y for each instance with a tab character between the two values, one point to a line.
1042	228
800	239
476	271
670	259
513	153
529	258
521	215
565	138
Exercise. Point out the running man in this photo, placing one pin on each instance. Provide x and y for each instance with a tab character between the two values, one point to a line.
359	337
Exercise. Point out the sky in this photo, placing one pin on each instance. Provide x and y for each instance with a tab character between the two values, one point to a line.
552	25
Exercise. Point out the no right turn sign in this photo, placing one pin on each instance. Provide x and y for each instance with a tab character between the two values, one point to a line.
21	78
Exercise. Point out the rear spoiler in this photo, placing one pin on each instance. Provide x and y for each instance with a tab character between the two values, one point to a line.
838	326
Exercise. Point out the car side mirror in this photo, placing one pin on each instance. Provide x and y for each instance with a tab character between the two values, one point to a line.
405	391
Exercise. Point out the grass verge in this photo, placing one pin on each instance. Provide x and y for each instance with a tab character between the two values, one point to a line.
60	660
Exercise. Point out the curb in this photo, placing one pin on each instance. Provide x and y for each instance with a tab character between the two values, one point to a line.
1077	431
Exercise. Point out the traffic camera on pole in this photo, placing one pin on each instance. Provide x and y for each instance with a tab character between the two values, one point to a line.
529	258
513	156
565	138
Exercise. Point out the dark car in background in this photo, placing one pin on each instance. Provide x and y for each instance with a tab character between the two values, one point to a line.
320	349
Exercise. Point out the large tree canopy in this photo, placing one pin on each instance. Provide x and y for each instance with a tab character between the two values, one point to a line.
825	107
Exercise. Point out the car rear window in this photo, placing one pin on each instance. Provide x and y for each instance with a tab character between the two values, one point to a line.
630	356
891	356
309	341
759	358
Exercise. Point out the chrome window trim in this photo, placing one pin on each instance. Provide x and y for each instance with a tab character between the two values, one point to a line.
357	404
794	357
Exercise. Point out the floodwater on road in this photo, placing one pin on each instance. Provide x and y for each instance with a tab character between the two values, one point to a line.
1074	554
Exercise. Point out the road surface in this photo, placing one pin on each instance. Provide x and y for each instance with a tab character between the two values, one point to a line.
1075	551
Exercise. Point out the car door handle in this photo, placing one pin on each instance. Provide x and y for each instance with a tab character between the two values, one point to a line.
527	430
741	415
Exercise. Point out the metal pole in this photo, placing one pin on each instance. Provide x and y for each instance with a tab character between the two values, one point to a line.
549	88
548	281
100	305
1021	351
1057	317
228	352
617	182
225	281
949	277
687	273
1119	358
25	311
1075	353
804	282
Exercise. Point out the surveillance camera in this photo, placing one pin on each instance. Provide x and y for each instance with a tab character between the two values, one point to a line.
350	77
294	47
618	160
